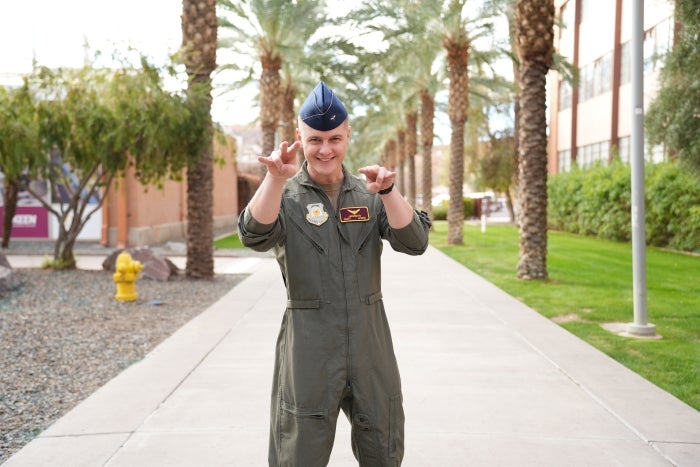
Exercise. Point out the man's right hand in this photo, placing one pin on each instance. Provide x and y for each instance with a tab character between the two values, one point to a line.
281	163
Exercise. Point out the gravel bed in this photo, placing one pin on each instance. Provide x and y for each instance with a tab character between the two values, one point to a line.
63	335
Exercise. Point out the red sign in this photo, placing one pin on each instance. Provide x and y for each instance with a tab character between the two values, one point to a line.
29	222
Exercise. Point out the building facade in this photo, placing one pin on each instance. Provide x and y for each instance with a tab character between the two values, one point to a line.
135	215
592	122
132	214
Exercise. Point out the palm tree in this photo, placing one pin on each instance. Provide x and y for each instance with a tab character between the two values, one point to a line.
383	118
401	159
19	148
288	109
272	31
427	135
514	205
424	26
199	41
302	68
456	43
407	80
410	153
535	25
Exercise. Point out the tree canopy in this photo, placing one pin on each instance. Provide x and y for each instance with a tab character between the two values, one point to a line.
91	124
672	118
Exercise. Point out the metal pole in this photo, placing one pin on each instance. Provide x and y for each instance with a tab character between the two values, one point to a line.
640	326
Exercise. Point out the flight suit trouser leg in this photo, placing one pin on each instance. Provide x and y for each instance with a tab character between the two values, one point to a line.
377	433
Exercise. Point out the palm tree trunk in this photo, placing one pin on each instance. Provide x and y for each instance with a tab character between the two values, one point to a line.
401	160
200	215
199	41
427	117
457	46
532	263
270	101
513	195
288	118
455	209
535	39
411	145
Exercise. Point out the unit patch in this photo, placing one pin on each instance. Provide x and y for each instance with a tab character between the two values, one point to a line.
316	215
358	214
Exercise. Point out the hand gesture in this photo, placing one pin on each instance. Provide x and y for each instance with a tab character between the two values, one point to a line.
378	178
281	163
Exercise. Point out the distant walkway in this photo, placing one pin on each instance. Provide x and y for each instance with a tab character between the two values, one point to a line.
486	380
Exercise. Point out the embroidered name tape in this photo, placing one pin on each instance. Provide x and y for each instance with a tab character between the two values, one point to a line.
357	214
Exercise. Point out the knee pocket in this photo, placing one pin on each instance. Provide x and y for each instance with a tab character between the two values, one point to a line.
375	441
396	424
305	436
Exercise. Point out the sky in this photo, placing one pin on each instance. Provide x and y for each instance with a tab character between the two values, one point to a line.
55	31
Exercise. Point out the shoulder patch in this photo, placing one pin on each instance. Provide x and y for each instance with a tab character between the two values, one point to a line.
316	214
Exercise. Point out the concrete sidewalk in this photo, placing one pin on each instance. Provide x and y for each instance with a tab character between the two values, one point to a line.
486	381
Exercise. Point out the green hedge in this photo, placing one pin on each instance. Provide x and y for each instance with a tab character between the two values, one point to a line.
440	211
597	202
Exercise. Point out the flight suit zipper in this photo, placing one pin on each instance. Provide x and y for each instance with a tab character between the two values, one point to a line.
336	217
348	361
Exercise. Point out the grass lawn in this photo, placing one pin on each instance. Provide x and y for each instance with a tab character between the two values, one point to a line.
590	283
227	243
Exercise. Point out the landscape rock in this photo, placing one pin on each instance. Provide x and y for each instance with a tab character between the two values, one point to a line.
8	279
154	267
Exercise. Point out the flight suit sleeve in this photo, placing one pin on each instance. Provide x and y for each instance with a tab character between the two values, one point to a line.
412	239
257	236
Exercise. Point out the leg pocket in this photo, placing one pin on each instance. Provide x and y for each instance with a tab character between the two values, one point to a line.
306	437
365	441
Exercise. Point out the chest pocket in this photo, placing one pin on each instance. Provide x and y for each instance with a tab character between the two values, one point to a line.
307	258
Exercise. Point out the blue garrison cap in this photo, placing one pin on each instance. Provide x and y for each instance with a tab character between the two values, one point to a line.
322	110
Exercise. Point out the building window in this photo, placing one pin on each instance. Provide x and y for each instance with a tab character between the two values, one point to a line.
623	149
566	29
568	11
657	42
649	61
625	63
586	11
596	77
654	154
664	36
582	156
591	154
564	161
586	83
564	94
602	74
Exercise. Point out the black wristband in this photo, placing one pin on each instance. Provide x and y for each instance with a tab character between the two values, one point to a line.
386	191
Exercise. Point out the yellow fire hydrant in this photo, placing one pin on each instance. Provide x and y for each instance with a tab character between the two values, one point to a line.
126	273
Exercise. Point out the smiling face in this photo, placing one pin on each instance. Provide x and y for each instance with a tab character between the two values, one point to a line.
324	151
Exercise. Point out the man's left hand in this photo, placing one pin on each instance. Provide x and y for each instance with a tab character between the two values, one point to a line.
378	178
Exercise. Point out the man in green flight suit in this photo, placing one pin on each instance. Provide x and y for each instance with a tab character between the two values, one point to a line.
334	348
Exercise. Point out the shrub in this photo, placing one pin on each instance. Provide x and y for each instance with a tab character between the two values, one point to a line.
440	211
597	202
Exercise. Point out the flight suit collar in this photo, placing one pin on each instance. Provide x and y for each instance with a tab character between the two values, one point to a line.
303	178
